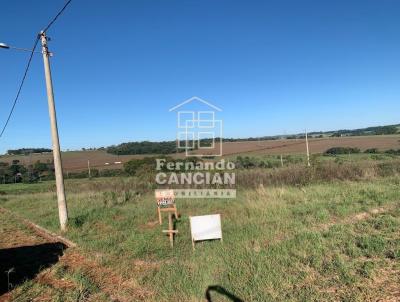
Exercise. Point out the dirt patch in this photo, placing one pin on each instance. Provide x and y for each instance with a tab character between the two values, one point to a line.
14	237
20	242
111	283
35	229
388	280
47	277
23	254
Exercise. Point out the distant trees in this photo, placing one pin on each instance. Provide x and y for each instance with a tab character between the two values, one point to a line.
41	167
393	152
26	151
16	172
148	164
144	147
349	150
386	130
132	166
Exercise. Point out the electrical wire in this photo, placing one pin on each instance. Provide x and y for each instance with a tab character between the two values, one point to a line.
56	17
20	86
28	65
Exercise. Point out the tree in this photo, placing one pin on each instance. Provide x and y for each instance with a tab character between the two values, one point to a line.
40	167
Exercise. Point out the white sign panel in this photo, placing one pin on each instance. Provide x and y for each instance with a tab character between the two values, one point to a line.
206	227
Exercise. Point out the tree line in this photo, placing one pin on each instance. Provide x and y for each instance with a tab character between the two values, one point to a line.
27	151
17	172
144	147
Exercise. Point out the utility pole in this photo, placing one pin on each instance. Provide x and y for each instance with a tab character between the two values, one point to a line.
308	151
281	160
88	166
62	203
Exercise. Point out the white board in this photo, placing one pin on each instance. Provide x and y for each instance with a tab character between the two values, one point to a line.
206	227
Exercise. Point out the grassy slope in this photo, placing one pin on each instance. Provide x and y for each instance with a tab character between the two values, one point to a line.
280	244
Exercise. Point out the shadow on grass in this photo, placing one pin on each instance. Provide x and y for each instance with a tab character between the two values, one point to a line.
25	262
222	291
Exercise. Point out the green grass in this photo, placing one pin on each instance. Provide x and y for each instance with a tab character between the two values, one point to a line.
280	244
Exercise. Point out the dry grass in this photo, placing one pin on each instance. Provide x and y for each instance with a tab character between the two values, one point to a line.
311	243
298	175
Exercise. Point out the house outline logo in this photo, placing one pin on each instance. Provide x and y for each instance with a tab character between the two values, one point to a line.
195	127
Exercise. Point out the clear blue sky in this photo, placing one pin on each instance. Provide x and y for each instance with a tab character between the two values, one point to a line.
272	66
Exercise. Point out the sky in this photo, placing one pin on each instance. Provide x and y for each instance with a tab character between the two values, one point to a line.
273	67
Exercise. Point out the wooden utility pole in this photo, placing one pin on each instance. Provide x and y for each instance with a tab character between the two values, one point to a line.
88	166
308	151
62	203
281	161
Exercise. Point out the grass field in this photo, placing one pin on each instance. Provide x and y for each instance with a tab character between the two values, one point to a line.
78	160
336	241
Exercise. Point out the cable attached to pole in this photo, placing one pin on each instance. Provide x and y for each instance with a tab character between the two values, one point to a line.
56	17
28	65
20	86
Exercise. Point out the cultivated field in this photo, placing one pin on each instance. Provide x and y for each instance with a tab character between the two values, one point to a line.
78	160
75	160
331	235
317	145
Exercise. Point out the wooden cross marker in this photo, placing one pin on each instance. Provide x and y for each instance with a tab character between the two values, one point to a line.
170	230
166	203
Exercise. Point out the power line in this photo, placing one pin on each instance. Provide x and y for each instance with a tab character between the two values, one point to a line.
56	17
28	65
20	86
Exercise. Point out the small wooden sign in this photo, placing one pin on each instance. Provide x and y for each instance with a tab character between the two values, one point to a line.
166	203
165	198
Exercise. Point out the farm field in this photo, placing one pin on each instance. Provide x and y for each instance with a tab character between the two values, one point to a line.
74	160
78	160
317	145
319	241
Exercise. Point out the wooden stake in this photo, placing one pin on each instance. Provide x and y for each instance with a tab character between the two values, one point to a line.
170	229
159	215
171	232
308	151
88	165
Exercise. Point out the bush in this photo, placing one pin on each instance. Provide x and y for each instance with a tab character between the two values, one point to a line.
144	164
372	151
111	172
393	152
341	150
